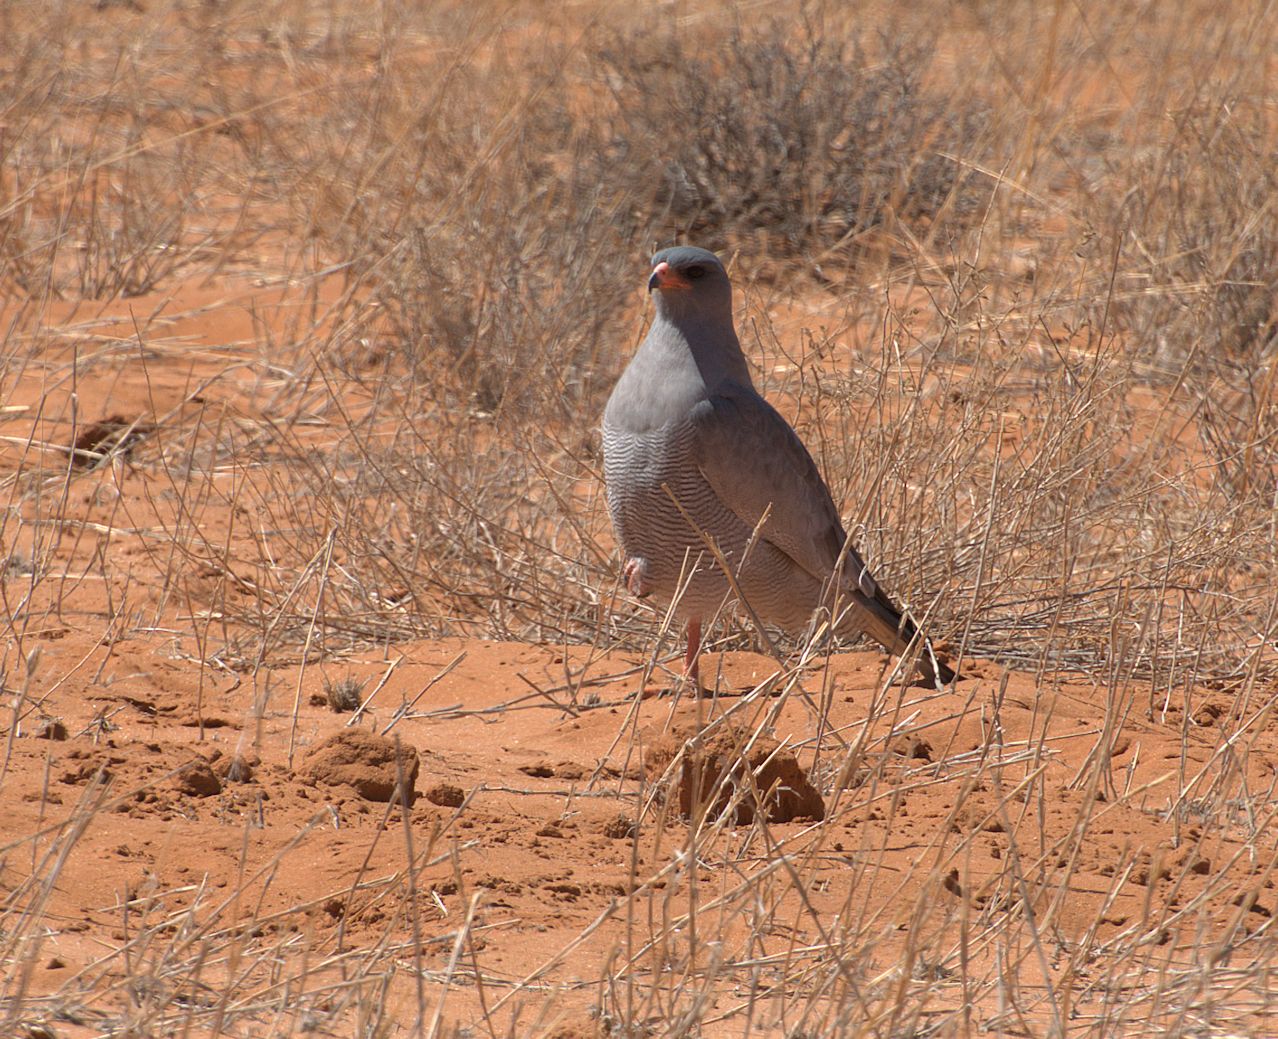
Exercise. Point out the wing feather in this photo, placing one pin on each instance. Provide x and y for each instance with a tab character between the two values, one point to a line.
755	462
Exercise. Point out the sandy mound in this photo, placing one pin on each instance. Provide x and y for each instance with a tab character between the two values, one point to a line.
367	763
727	771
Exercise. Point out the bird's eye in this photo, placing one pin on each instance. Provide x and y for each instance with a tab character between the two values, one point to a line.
695	272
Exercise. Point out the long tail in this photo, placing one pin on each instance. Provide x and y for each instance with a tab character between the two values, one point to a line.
880	618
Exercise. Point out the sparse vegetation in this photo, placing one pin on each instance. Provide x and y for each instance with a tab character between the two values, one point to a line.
309	313
344	694
793	136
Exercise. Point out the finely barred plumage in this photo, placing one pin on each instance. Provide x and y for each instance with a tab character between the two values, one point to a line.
685	415
652	529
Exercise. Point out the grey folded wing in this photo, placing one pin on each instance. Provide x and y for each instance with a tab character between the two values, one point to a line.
754	462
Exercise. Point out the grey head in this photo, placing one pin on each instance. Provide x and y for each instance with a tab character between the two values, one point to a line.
690	353
691	287
693	299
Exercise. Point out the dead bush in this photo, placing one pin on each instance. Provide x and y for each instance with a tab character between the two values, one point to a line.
489	261
1203	240
804	138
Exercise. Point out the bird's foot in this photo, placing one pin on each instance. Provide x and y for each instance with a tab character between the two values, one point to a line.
635	573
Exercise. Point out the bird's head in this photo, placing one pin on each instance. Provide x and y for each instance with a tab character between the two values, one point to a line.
689	281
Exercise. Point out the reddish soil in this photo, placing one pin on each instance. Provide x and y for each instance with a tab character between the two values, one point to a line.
543	817
556	831
147	793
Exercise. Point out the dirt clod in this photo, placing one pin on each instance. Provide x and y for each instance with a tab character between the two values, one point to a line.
446	795
50	729
619	828
237	768
95	442
367	763
198	779
767	776
914	747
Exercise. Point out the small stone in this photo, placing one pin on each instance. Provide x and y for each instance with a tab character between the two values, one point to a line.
198	779
446	795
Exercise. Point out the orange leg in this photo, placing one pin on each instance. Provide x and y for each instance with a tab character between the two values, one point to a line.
691	670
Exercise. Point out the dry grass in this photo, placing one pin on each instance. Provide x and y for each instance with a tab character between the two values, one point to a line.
792	134
1035	254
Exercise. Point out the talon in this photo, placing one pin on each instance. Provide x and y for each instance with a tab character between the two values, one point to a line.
634	574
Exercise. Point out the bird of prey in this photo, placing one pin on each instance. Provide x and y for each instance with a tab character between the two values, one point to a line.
692	451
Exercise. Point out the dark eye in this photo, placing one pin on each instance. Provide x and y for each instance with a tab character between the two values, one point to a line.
695	271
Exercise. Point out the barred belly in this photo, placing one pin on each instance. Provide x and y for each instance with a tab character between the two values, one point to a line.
652	531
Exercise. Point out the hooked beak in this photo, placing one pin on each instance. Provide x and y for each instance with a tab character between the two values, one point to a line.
663	277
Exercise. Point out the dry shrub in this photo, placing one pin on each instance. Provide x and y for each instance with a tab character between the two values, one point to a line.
122	231
427	522
1203	232
511	303
801	138
1038	515
105	178
1198	294
485	257
479	331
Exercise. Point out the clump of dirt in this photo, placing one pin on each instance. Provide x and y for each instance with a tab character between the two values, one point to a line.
198	779
369	764
237	768
446	795
619	828
50	729
765	777
114	435
914	747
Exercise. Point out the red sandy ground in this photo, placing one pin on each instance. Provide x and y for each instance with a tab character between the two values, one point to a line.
536	854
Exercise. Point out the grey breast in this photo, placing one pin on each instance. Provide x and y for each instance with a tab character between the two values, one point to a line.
652	529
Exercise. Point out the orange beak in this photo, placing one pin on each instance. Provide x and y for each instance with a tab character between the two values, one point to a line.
664	277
